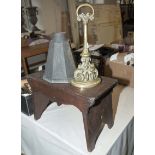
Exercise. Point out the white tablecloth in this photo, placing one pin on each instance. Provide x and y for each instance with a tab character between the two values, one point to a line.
60	130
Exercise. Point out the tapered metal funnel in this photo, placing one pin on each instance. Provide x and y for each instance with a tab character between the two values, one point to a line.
60	64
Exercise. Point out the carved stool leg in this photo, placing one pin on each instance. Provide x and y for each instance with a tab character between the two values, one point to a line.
109	112
40	104
94	120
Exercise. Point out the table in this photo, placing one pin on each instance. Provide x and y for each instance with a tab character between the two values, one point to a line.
94	103
30	51
48	137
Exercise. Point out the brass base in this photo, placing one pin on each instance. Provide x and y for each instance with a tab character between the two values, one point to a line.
87	84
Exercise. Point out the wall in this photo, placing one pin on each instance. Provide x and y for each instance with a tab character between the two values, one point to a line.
49	18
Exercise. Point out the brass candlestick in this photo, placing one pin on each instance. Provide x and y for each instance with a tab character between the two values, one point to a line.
86	75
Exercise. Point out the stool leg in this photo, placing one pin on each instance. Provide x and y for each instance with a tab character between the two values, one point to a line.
95	118
109	112
40	102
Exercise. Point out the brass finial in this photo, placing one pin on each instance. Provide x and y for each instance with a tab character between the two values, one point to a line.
86	75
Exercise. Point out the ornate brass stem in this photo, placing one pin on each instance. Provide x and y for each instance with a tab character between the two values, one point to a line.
86	75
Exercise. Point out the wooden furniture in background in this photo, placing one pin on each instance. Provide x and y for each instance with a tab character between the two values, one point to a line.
107	24
95	103
65	24
30	51
73	22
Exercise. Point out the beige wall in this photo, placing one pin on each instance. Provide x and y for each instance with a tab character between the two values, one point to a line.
49	18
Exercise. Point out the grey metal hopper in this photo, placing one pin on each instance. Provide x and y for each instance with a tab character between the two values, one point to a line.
60	65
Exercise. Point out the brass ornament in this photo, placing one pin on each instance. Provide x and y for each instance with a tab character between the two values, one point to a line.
86	75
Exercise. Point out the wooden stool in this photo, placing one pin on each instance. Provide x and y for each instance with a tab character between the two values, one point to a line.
94	103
